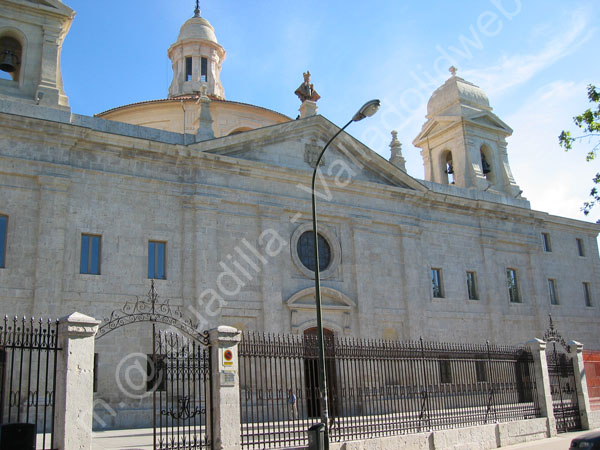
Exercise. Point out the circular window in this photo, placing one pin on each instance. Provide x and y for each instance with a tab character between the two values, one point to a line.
306	251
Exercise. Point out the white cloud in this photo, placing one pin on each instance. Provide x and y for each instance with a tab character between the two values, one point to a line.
519	68
553	180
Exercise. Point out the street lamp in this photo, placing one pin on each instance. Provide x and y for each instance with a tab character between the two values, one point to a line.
367	110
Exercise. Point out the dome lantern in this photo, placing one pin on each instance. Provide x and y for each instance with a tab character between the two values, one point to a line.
196	58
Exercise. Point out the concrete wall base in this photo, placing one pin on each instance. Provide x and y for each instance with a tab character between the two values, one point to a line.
594	419
482	437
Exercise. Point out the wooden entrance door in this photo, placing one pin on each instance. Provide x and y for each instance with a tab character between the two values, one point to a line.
311	372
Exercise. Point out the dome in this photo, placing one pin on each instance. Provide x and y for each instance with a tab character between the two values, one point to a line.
457	91
197	28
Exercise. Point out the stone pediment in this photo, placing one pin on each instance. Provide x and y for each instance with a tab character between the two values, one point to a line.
331	299
42	2
55	6
490	120
296	145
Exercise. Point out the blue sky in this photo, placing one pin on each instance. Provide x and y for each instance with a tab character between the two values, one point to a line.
533	58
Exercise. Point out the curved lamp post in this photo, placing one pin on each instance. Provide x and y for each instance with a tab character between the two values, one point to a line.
367	110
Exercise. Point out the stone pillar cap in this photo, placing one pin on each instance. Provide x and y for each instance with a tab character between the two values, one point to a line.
575	344
77	317
537	342
225	333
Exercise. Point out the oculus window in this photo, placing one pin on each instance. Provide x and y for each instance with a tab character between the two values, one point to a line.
156	260
306	251
90	254
3	227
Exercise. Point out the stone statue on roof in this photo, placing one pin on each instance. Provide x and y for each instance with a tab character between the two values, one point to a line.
306	91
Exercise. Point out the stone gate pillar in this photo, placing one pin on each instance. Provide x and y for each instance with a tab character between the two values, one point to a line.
542	382
74	394
225	408
576	353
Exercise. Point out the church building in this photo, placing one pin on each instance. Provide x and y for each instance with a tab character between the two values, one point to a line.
211	199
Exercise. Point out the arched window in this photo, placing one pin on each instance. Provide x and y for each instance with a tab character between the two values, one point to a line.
11	53
447	168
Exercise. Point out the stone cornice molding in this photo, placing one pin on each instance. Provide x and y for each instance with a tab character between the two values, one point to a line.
57	183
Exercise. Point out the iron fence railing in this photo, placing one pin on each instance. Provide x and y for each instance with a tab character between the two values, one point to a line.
377	388
28	353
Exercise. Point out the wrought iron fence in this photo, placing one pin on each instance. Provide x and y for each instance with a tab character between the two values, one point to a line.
28	352
377	388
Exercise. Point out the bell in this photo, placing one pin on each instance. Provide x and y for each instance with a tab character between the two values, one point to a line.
9	61
486	167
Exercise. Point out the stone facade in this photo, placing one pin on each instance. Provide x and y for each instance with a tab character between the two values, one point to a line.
231	211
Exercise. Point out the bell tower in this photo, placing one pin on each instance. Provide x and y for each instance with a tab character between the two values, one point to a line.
463	142
31	37
196	58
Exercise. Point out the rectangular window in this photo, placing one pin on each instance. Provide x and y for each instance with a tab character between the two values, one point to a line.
546	242
90	254
513	287
3	228
188	68
156	260
552	291
95	382
204	70
587	294
436	282
156	372
445	371
580	247
472	286
481	371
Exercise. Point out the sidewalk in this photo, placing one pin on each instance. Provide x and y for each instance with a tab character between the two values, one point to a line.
560	442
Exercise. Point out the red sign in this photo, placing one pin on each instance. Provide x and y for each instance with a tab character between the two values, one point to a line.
228	355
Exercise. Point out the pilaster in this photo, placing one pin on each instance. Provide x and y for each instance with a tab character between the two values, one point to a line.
583	399
49	263
74	394
542	382
226	388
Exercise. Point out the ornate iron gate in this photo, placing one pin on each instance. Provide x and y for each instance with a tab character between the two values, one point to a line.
178	371
181	382
562	383
28	353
